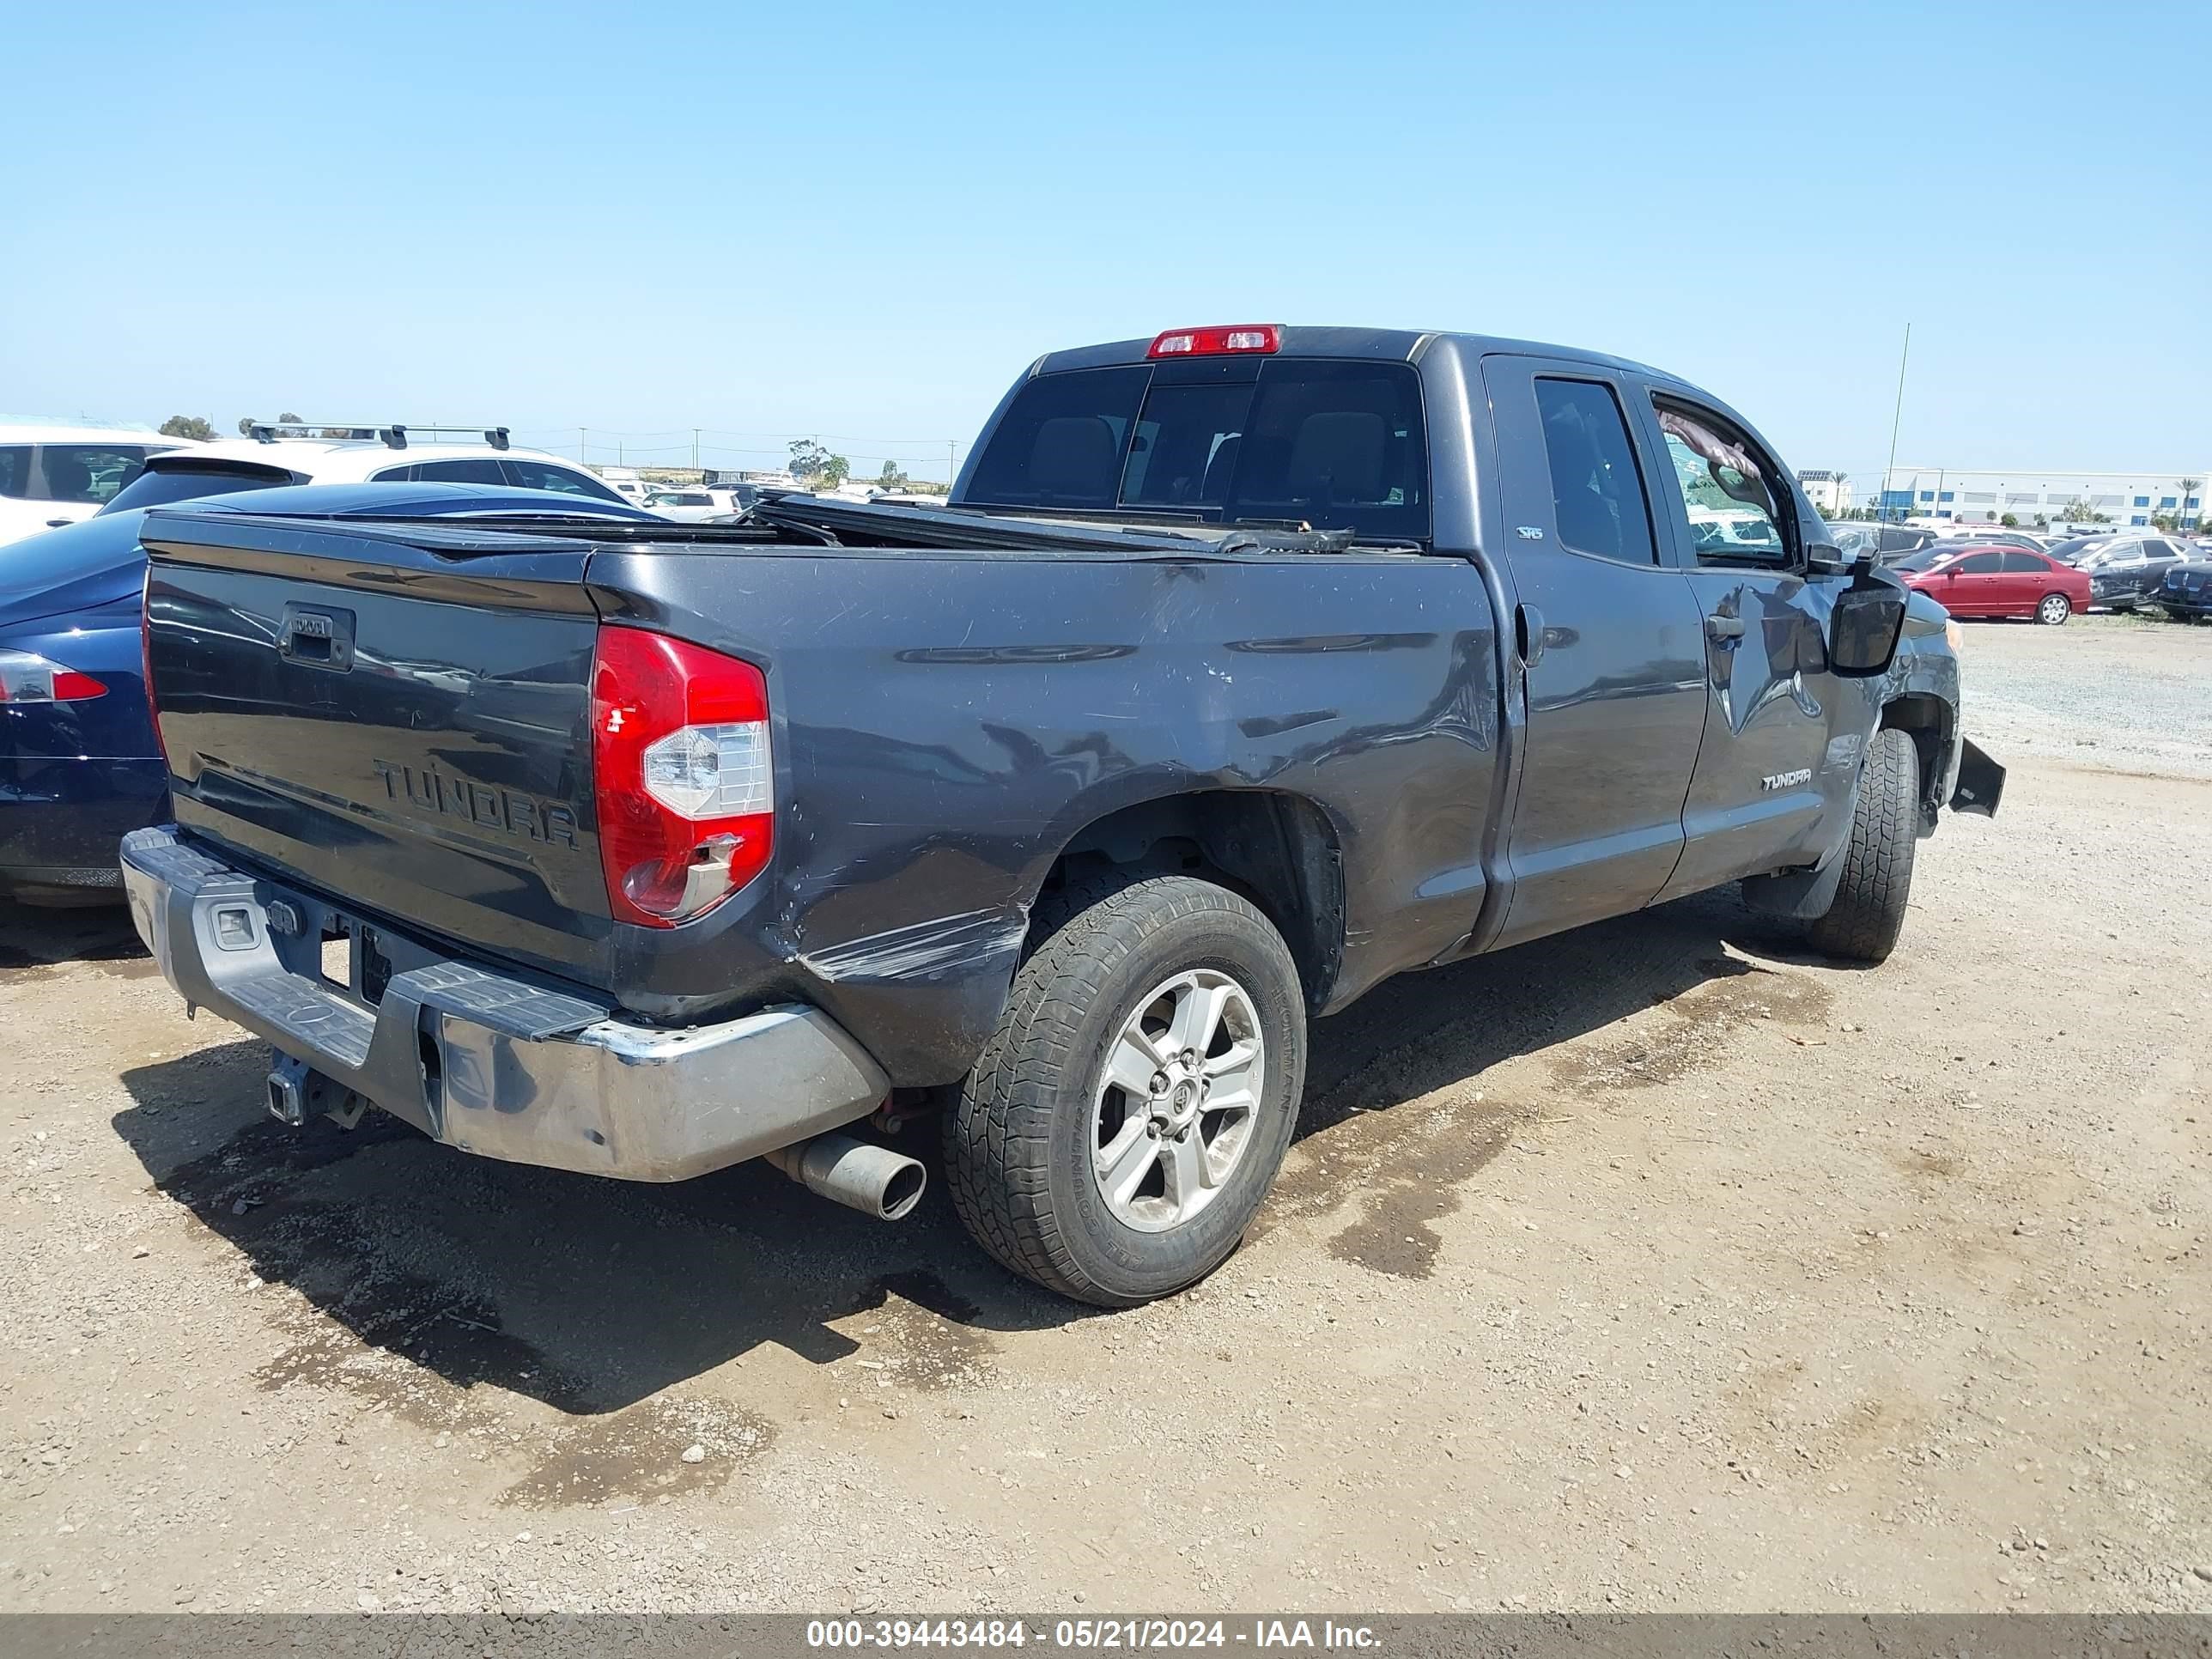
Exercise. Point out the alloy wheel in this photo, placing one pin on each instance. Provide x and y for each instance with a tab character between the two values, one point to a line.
1177	1100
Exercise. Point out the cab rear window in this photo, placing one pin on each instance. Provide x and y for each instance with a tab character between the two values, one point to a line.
1338	444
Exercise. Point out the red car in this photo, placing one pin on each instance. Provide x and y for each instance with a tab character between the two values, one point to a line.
1972	579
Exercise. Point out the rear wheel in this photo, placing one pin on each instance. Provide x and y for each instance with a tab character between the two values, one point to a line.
1864	918
1128	1116
2056	609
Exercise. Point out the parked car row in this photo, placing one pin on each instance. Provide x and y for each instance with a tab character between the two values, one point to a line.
1973	579
2013	572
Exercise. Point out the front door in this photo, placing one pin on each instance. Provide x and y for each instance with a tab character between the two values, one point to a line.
1778	765
1610	652
1972	587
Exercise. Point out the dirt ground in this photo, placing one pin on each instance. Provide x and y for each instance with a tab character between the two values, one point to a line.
1654	1267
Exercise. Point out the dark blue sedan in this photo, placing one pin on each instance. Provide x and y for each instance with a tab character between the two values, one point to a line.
79	768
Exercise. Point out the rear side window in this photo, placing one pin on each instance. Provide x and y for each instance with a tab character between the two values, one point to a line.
16	470
542	475
89	474
1340	446
1980	564
2017	563
485	472
1597	493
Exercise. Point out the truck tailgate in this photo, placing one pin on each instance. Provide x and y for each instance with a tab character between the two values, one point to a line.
398	715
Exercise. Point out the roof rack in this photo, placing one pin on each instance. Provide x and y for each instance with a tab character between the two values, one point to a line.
394	436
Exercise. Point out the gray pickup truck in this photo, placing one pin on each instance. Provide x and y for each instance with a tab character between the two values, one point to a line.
1243	669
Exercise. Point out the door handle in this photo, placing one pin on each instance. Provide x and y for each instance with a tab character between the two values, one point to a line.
1527	634
1720	629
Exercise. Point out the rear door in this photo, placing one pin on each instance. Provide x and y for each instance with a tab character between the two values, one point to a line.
2160	556
1610	652
2027	579
1778	765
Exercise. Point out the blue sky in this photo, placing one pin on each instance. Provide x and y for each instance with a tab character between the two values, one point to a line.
863	221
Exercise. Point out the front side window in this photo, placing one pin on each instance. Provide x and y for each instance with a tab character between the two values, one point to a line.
16	470
89	473
1338	444
1597	493
1723	488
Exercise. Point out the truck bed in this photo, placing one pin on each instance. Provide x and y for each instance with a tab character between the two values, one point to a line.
396	715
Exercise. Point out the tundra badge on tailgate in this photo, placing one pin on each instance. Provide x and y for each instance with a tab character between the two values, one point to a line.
436	792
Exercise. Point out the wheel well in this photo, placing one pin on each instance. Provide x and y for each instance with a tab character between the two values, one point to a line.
1277	850
1926	719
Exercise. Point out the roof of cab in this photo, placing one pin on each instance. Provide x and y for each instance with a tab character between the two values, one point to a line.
1383	345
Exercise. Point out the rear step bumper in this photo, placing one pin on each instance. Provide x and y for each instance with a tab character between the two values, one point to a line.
487	1063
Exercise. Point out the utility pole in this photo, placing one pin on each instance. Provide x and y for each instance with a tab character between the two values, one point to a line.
951	467
1898	415
695	449
579	446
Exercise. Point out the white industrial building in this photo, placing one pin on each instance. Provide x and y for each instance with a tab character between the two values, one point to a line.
2121	498
1829	492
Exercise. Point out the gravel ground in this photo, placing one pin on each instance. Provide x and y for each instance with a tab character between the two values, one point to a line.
2128	692
1654	1267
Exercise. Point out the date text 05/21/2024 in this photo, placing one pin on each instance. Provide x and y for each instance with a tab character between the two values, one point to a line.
1260	1635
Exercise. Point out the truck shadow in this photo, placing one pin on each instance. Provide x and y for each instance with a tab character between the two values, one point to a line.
409	1257
36	942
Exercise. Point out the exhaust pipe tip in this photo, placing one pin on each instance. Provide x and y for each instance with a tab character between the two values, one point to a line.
858	1174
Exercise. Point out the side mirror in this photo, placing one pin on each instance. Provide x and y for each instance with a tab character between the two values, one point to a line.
1866	624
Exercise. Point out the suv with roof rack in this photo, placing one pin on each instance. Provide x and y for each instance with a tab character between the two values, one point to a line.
336	451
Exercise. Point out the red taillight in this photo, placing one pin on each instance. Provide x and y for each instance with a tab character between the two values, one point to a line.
682	772
1215	341
25	678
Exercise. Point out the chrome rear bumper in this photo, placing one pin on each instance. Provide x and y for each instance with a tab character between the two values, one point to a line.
483	1061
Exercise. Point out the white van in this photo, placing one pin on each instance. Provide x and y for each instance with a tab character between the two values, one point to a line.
624	482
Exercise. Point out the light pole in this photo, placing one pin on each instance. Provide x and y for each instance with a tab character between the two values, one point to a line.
1897	414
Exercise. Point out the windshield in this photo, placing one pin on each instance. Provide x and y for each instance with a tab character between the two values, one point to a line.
158	486
2074	547
1926	559
1340	446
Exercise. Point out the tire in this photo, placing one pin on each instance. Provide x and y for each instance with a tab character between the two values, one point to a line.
1868	912
2054	609
1022	1142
